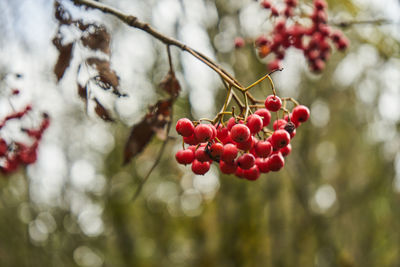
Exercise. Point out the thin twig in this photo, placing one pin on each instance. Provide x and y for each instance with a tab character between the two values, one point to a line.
346	24
156	162
134	22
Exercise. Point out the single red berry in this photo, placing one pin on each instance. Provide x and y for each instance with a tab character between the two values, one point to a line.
27	155
239	172
266	4
216	150
265	115
200	168
222	132
252	174
300	114
320	4
291	3
214	131
229	153
276	162
296	124
3	147
239	42
231	123
227	168
240	133
342	44
201	154
263	149
286	150
278	123
261	41
227	139
185	156
184	127
273	103
274	65
203	132
246	161
247	145
274	11
190	140
262	165
280	138
254	123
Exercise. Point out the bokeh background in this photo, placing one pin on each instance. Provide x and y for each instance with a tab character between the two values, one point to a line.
336	202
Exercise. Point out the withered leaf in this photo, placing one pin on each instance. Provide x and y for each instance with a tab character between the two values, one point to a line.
64	57
171	85
102	112
107	77
96	38
63	16
155	120
82	91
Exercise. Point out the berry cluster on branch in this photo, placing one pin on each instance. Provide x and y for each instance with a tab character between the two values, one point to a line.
242	145
314	40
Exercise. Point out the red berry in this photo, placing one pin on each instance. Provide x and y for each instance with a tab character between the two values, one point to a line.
222	132
203	132
300	114
229	153
252	174
27	155
274	65
278	123
227	168
200	168
320	4
280	138
265	115
201	155
247	145
246	161
274	11
266	4
190	140
263	149
216	150
185	156
261	41
3	147
184	127
239	42
273	103
275	162
254	123
240	133
239	172
262	165
286	150
231	123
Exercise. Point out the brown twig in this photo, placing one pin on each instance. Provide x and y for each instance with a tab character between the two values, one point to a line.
346	24
134	22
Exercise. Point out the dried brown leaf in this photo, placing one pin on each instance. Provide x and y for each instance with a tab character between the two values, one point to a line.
154	121
102	112
82	92
63	16
107	77
64	58
96	38
171	85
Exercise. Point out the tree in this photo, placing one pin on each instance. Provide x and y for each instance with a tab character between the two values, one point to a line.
334	203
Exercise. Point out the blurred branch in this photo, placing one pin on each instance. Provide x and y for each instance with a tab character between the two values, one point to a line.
346	24
134	22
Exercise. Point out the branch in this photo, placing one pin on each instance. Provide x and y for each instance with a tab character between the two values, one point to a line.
134	22
346	24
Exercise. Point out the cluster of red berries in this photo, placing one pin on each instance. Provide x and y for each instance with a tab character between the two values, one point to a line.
312	40
13	153
237	146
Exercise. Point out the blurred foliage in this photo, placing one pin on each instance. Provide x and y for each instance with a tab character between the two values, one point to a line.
278	220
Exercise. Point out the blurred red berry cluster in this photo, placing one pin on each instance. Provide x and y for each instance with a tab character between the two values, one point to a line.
314	40
246	147
14	153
